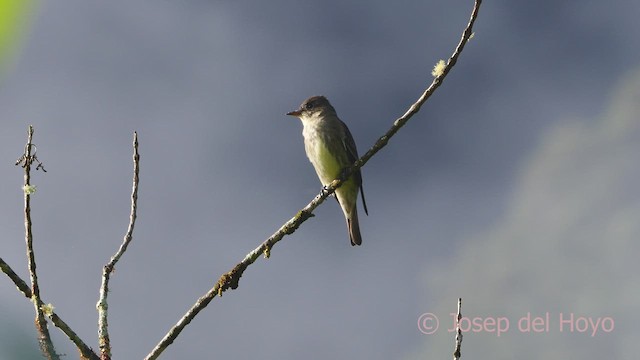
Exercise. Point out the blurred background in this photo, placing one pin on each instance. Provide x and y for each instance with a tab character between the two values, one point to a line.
515	187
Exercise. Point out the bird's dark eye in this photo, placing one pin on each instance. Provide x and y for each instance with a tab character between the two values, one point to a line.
308	106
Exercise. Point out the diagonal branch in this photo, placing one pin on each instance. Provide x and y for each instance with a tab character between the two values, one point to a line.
102	306
85	351
230	279
20	284
413	109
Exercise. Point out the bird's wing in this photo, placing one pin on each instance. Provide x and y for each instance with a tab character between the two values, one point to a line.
352	154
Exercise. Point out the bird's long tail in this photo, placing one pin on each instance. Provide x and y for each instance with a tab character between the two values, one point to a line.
354	227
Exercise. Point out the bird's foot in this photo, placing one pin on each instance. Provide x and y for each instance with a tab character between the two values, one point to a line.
325	189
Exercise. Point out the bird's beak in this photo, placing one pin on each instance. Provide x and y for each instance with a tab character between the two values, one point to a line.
295	113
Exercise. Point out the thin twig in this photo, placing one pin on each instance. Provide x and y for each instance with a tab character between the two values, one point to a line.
44	339
25	160
102	306
85	351
17	280
230	279
456	351
413	109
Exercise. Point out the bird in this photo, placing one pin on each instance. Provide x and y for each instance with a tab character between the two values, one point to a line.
330	148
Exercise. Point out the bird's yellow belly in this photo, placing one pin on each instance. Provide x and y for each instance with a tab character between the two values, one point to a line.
326	165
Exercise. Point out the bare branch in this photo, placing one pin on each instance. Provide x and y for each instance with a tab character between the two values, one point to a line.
230	279
28	158
85	351
102	306
456	351
413	109
17	280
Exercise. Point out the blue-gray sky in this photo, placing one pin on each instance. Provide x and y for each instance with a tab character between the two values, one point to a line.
515	187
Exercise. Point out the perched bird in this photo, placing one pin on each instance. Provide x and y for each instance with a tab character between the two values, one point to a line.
330	148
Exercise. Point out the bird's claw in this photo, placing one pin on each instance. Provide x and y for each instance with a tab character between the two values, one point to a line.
324	190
